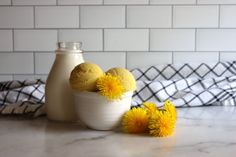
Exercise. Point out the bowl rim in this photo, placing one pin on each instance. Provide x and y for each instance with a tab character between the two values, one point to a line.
96	94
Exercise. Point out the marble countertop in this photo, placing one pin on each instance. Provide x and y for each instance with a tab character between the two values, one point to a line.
200	131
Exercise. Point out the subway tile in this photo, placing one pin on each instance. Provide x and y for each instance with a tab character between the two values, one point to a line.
227	56
216	1
216	40
5	78
102	16
34	2
92	39
227	16
126	39
35	40
195	16
106	60
144	59
126	2
172	39
149	16
172	1
195	57
43	62
16	17
29	77
57	17
79	2
6	40
16	63
5	2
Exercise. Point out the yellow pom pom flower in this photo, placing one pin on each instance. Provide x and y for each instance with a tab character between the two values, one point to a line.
161	124
110	87
150	107
135	121
169	107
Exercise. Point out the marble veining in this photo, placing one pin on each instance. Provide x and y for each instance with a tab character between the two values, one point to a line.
200	131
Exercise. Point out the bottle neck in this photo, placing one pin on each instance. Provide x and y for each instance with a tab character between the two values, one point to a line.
69	48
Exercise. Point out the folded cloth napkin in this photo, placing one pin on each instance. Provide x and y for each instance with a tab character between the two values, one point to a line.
184	84
22	97
187	84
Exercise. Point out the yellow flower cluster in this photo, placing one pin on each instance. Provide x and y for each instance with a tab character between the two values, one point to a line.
110	86
158	122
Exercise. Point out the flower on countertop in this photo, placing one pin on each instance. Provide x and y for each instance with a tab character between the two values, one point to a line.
135	121
158	122
161	124
110	87
169	107
150	107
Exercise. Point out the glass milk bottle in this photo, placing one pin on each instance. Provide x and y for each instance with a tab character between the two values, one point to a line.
58	94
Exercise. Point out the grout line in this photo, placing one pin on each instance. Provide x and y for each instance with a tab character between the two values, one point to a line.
13	40
34	17
126	17
219	56
126	54
128	28
219	9
172	16
195	42
149	40
34	63
79	7
172	57
56	2
103	40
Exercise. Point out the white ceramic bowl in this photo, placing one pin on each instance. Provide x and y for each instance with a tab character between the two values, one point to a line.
98	113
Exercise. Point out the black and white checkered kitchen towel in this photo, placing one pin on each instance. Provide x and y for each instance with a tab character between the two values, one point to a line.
184	84
22	97
187	84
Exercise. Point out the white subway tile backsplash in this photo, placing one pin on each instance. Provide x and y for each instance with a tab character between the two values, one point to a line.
79	2
34	2
106	60
102	16
126	2
57	17
195	57
126	39
172	39
35	40
227	16
92	39
5	2
172	1
227	56
17	63
6	40
143	59
216	1
43	62
16	17
149	16
5	78
216	40
131	33
195	16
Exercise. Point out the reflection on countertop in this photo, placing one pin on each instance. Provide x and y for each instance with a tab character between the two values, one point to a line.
200	131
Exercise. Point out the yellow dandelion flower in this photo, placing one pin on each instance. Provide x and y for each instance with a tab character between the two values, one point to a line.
161	124
110	87
169	107
135	121
150	107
